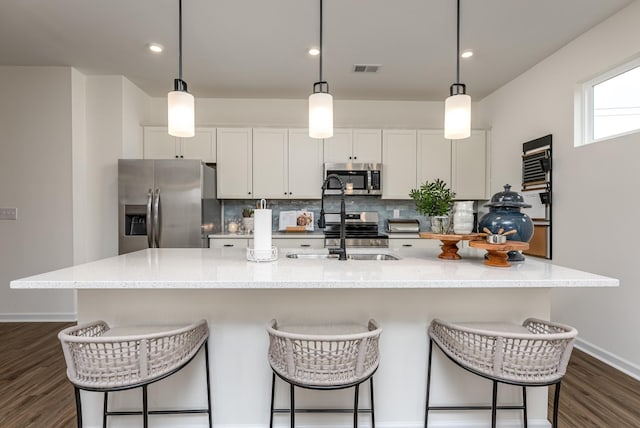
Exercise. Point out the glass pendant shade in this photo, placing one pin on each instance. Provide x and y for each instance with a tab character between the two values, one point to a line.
457	117
181	107
320	115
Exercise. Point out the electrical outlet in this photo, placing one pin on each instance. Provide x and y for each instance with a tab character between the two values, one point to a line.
396	213
8	213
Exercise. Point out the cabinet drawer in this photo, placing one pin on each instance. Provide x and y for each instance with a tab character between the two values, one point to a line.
228	242
298	243
414	243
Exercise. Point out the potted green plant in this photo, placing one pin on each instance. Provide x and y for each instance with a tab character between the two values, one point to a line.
434	199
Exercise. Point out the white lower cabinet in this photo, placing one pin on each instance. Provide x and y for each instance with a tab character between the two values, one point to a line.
396	243
246	242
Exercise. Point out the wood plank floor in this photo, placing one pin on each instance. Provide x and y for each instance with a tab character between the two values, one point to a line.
34	391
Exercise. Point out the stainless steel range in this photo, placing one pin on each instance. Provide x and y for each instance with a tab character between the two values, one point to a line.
361	230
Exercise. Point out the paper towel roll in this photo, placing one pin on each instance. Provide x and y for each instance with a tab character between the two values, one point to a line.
262	233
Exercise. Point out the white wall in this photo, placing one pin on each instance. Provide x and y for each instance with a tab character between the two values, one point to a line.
35	177
62	134
595	186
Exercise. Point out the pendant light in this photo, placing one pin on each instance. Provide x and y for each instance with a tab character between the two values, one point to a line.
180	103
320	103
457	107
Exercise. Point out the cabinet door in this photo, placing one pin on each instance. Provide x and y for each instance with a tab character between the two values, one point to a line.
338	149
305	165
399	163
270	163
158	144
234	163
201	146
469	167
367	145
434	156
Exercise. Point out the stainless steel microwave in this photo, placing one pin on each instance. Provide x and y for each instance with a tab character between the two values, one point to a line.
358	178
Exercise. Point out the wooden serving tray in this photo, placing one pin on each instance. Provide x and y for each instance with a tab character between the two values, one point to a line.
450	242
497	253
296	229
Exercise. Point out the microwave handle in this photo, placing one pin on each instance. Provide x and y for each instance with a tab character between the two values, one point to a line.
369	182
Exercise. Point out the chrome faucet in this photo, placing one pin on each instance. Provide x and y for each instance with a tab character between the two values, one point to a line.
342	251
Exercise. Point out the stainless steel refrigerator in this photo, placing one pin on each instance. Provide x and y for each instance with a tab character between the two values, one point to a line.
166	203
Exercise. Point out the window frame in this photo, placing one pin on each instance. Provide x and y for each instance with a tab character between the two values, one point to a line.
586	126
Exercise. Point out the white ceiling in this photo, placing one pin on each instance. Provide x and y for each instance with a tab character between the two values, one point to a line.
257	48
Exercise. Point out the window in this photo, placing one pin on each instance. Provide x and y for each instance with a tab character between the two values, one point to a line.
611	104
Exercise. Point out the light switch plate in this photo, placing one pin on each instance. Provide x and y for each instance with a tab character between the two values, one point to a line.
8	213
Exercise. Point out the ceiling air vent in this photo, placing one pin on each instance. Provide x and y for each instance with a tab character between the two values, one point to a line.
366	68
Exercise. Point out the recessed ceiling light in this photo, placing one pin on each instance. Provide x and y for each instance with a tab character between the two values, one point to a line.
314	51
466	54
155	47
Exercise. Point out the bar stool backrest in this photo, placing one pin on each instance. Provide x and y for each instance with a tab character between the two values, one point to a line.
324	359
97	360
537	355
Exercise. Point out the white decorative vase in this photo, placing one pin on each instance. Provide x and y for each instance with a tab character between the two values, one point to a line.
463	217
247	224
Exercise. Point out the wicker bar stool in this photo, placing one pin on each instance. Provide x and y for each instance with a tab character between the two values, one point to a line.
533	354
104	359
323	358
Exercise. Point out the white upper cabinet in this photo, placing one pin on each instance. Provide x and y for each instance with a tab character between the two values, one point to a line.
469	172
398	163
433	156
158	144
354	146
305	165
234	161
270	163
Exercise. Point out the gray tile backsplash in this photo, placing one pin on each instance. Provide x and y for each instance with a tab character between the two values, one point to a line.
384	207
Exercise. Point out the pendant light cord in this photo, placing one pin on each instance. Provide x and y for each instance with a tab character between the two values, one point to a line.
457	44
321	40
180	39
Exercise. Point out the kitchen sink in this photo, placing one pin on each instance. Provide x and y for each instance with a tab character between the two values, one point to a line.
350	256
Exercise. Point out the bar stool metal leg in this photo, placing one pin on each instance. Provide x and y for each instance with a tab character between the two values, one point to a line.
426	413
105	409
494	402
293	408
273	392
78	407
524	406
206	364
556	404
373	413
145	407
355	406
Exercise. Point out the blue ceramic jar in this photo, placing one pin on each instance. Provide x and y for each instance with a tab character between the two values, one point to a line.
504	213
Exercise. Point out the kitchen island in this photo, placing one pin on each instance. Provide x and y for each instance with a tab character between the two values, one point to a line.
238	298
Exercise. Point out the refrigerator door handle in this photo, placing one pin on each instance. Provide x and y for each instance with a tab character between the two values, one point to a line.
157	219
149	219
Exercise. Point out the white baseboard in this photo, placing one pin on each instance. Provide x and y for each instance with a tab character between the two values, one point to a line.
626	367
26	317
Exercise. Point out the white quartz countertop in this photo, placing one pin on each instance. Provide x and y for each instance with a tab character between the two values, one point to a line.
228	268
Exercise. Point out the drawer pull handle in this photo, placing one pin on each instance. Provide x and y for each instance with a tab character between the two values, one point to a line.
305	245
228	245
407	245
